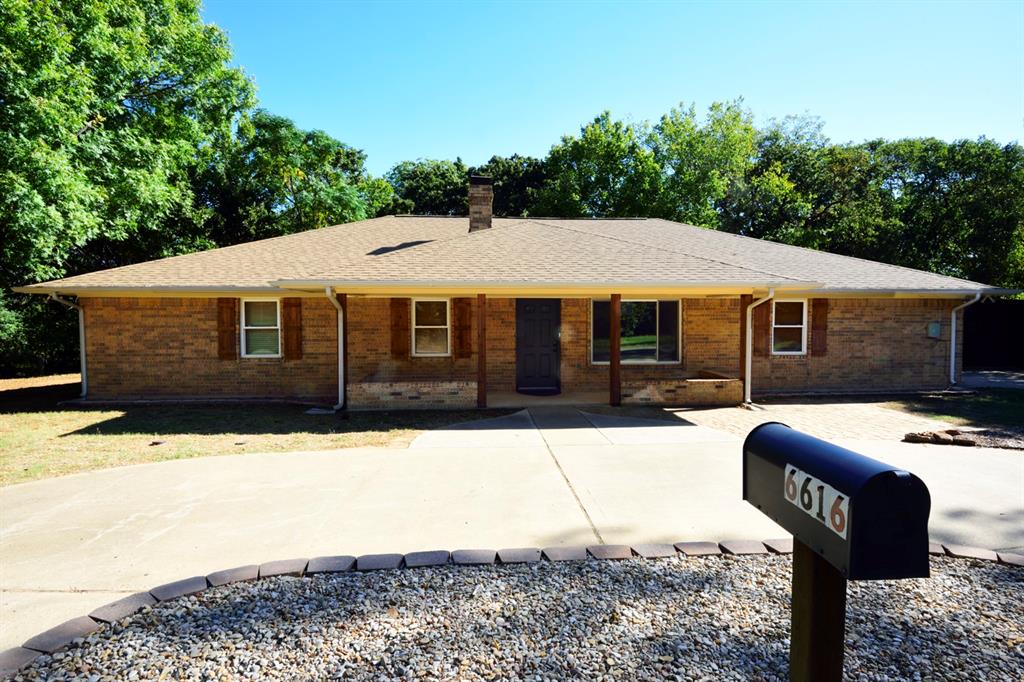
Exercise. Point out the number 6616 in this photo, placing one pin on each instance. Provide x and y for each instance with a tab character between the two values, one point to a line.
814	497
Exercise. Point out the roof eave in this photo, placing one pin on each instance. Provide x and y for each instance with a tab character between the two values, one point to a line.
99	290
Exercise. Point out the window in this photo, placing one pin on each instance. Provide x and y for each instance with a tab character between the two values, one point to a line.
261	329
649	331
431	331
789	328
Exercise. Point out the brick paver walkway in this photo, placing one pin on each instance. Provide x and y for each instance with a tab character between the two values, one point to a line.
860	420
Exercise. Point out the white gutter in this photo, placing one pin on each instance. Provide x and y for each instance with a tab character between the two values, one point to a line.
81	339
952	336
341	347
931	293
747	376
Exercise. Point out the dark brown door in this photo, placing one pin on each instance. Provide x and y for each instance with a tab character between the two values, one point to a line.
537	345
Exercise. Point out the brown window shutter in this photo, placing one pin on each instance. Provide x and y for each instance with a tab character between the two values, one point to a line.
819	326
462	326
291	323
762	318
401	322
227	314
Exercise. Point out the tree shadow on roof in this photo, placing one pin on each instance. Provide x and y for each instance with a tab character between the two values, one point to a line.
380	251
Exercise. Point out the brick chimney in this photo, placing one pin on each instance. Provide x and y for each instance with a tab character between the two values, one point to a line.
481	200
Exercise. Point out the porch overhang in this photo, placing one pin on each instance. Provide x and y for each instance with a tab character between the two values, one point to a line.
567	289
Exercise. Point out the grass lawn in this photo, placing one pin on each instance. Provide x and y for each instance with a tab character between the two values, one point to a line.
38	439
649	340
996	408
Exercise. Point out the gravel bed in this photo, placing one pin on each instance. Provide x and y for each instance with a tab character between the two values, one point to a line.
679	618
1008	437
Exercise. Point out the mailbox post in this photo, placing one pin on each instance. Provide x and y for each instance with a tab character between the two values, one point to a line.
851	517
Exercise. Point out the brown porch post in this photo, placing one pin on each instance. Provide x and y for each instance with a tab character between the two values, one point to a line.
745	301
481	351
614	354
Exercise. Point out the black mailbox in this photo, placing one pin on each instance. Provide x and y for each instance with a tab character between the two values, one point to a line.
866	518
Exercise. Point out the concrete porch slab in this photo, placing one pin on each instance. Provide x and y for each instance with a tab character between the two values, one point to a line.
571	398
634	431
565	426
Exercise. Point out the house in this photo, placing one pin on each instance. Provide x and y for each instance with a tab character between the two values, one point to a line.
425	311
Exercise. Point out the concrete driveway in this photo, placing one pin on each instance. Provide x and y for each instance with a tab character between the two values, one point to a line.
539	478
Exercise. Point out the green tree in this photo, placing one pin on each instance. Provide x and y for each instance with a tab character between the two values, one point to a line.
275	179
960	207
104	110
608	170
434	187
380	198
700	161
953	208
514	179
804	190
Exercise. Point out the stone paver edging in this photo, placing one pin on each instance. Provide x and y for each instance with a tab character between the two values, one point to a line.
65	634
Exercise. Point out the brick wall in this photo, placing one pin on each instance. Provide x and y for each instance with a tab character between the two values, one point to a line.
167	348
369	349
873	344
501	344
710	343
370	360
712	322
711	335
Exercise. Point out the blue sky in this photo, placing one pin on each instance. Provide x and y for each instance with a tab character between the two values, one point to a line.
405	80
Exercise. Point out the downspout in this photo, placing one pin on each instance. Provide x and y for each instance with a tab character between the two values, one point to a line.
952	336
341	347
81	339
748	374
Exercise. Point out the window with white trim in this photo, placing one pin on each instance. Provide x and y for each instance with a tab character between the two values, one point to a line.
431	327
789	327
261	329
649	332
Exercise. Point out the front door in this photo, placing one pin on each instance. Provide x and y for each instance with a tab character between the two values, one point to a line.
537	346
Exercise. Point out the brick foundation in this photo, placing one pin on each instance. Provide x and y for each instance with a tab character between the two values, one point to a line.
689	392
408	395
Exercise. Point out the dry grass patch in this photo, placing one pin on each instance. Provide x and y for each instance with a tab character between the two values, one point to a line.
995	415
38	439
989	408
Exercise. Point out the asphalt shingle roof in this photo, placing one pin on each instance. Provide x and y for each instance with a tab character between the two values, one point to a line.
438	251
831	270
528	251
